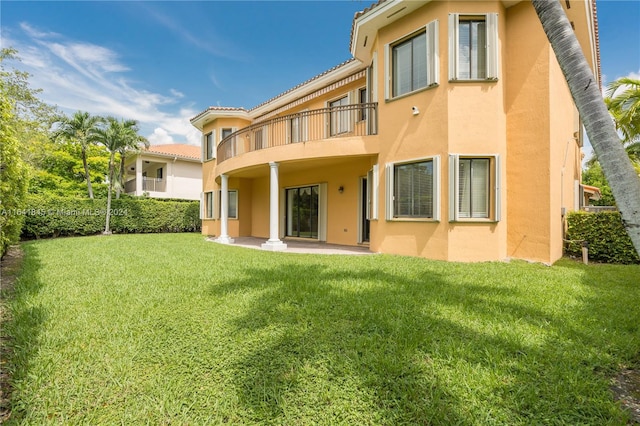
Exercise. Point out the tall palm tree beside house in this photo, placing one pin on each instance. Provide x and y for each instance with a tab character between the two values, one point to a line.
80	128
623	101
132	146
116	135
586	94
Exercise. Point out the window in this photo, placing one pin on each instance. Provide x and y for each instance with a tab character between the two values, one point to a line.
208	205
225	133
232	208
208	147
298	127
362	97
258	139
473	47
412	190
339	120
474	190
412	63
159	173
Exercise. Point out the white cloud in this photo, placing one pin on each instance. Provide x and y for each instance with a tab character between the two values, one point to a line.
160	137
75	75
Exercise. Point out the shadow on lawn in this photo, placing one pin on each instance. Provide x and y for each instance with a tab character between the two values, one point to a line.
26	320
410	350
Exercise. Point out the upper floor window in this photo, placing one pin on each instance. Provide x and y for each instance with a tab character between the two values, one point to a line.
298	128
474	191
362	97
208	148
473	46
339	117
412	62
225	132
413	190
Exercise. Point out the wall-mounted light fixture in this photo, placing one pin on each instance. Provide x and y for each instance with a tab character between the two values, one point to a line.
341	189
415	110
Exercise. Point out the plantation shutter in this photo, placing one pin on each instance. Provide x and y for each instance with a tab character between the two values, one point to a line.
453	193
216	201
212	142
436	188
389	191
492	46
387	75
203	147
498	180
433	55
453	46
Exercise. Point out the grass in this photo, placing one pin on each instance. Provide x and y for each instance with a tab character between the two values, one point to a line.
169	329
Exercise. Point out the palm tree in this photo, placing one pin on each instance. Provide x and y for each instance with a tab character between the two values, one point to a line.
133	146
117	135
80	128
585	91
623	101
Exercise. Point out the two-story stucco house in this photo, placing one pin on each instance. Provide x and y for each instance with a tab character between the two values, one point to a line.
165	171
451	134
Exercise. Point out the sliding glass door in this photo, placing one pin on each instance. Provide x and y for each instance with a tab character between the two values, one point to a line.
302	212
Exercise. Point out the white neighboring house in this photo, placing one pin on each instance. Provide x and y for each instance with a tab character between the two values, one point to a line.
165	171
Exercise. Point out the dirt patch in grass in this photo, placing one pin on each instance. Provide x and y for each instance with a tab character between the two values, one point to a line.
626	389
9	269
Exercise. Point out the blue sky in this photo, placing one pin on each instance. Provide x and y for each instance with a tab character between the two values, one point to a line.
163	62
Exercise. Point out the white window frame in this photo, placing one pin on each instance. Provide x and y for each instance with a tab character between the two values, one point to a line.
491	25
346	113
494	194
373	184
362	113
433	59
208	211
208	142
390	187
230	214
302	120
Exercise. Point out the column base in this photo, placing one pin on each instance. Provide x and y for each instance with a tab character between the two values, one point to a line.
224	240
274	245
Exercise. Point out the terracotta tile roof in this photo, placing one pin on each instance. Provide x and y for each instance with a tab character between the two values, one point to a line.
348	61
176	150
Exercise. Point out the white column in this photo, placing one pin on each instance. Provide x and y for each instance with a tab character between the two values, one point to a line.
274	243
224	211
138	175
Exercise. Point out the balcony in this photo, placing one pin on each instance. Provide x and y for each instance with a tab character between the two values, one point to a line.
148	185
306	126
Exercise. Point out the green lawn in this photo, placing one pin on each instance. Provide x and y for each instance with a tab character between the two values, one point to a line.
170	329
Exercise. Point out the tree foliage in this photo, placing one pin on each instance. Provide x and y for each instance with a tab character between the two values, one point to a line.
80	129
13	176
116	136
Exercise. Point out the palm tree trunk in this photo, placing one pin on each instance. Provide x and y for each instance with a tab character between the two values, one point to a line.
87	176
586	94
107	230
120	177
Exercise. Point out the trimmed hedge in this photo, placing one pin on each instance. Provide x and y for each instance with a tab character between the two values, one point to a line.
50	216
605	233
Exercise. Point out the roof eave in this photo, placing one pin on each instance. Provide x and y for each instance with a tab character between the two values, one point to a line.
213	113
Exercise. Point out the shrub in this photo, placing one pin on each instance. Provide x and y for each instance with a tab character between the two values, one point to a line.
604	232
13	178
51	216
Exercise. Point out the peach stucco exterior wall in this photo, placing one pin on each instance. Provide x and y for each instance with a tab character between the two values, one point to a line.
526	118
543	159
